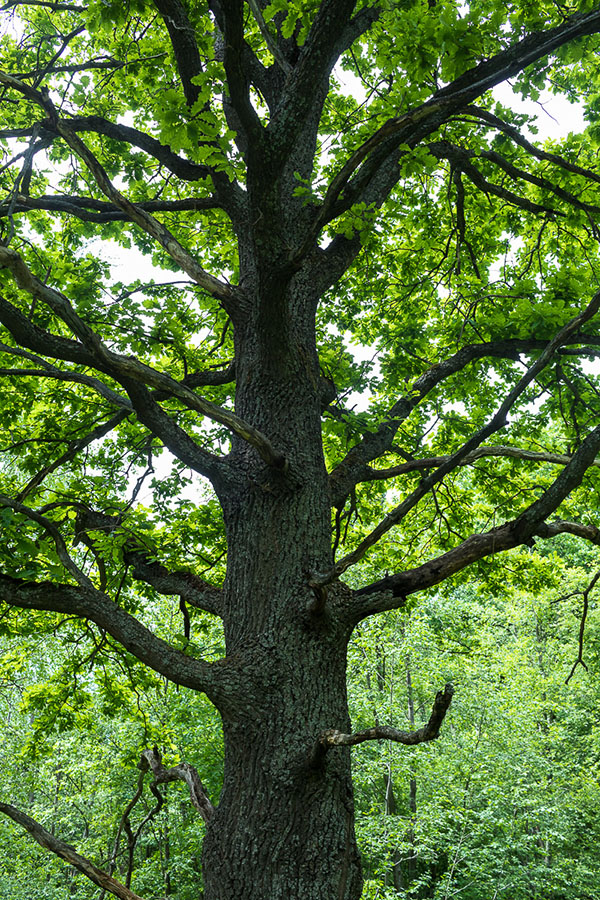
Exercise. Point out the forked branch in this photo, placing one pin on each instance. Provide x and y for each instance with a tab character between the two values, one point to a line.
192	589
497	422
222	684
354	467
184	771
391	591
349	185
126	369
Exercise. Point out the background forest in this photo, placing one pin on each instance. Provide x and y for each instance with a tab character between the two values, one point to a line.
503	805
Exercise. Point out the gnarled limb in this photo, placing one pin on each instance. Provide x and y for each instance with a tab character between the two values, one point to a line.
429	732
584	613
68	853
152	760
134	213
184	771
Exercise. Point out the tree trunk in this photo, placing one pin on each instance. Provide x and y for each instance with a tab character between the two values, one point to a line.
284	830
284	826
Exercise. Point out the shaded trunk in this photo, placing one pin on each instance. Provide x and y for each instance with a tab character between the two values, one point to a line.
284	830
284	826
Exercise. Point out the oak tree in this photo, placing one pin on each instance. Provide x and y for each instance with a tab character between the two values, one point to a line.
360	366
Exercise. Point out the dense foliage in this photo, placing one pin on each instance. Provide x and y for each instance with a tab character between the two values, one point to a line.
298	348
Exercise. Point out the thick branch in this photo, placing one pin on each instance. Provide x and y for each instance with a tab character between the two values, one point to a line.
462	160
270	40
175	438
190	587
391	592
238	79
316	60
50	527
46	369
68	853
416	124
515	135
218	682
90	210
145	221
49	4
184	169
26	334
184	771
497	422
130	372
185	48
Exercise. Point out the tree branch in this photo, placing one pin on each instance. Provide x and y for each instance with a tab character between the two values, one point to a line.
68	853
391	592
220	682
90	210
231	16
185	48
54	7
431	462
75	447
429	732
316	60
462	160
184	169
47	370
416	124
130	372
190	587
354	469
61	549
269	39
145	221
584	613
498	421
151	759
543	155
